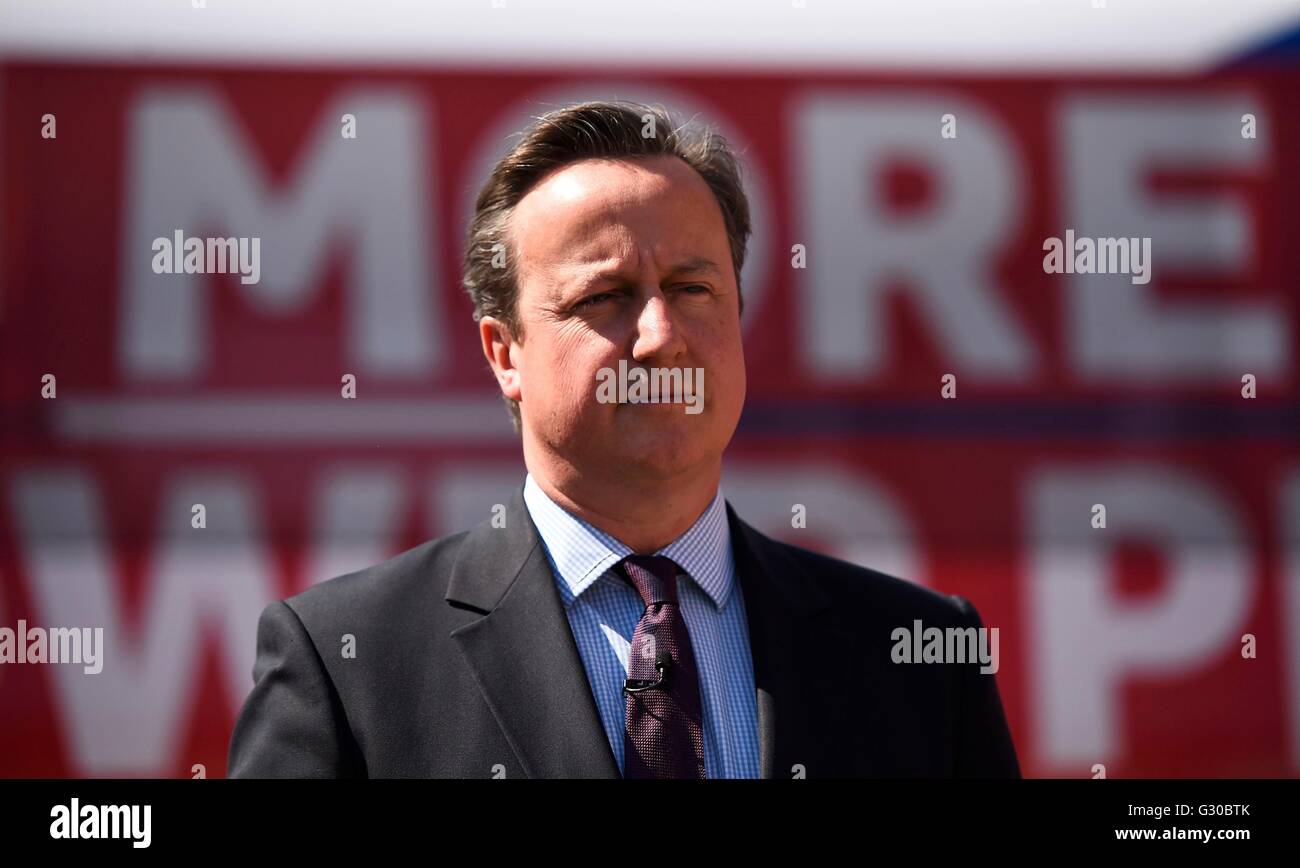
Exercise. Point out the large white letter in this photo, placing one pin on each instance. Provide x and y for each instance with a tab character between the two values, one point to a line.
1087	641
128	719
191	170
945	253
1119	330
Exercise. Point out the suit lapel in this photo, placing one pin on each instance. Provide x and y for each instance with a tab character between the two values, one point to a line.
782	637
528	667
523	654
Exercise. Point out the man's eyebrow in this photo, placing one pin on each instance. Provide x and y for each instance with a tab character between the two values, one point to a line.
692	265
696	265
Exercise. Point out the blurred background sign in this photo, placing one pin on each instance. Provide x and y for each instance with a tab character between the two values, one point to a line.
904	178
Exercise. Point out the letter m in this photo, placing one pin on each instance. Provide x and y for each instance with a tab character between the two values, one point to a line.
1113	252
190	168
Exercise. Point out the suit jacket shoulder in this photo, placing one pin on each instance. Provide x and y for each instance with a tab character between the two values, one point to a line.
386	593
861	593
830	663
455	659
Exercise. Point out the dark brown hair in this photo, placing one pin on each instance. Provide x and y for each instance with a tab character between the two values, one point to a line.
589	130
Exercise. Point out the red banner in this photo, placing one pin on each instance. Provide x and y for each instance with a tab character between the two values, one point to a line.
177	450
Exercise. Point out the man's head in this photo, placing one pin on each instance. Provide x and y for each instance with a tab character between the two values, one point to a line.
609	233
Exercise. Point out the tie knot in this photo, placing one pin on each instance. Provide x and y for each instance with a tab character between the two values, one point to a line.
653	576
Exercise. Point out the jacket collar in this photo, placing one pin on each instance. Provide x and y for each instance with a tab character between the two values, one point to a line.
580	553
527	664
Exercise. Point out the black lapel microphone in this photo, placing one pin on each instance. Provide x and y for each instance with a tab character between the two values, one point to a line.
663	660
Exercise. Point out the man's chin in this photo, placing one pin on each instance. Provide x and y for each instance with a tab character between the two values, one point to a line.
663	454
659	426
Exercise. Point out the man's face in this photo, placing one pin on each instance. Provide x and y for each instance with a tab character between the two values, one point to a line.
624	260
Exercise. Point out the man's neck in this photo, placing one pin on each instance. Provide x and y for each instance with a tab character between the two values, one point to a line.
644	515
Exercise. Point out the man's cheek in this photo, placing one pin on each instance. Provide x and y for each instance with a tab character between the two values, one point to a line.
579	388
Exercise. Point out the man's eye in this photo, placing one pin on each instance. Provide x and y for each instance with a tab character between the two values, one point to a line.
695	288
595	299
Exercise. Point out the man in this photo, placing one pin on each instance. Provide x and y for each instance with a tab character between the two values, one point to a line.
621	620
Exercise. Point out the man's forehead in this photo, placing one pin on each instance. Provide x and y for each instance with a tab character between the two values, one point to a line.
597	209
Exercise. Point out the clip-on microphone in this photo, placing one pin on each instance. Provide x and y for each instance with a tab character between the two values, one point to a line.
662	661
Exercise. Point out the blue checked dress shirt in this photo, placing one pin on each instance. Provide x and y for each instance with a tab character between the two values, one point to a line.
603	611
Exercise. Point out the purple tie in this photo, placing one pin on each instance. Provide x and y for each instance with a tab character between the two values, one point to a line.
663	738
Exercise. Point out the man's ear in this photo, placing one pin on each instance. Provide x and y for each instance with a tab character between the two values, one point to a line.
497	343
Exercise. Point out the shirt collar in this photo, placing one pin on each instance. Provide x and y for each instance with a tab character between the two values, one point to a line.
581	553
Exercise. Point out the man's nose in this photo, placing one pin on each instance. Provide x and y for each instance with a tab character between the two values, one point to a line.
657	334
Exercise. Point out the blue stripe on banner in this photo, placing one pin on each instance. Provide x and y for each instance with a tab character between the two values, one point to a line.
1274	49
1119	421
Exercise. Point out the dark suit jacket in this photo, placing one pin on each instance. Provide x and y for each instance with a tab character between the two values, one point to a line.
465	662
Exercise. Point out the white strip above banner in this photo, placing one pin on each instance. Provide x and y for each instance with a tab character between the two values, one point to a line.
1137	35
